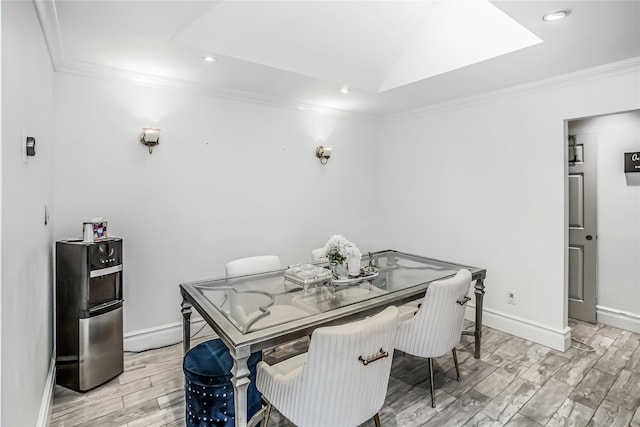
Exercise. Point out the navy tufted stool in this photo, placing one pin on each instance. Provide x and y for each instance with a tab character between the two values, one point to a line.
208	389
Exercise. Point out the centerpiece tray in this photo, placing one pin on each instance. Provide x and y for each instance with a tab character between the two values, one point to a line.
355	279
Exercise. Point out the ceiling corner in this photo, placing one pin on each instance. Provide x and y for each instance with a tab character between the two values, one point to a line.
50	24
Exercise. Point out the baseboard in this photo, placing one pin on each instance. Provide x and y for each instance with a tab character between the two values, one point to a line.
558	339
47	394
161	336
618	318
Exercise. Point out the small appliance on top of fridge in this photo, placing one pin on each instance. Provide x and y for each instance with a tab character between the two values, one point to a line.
89	331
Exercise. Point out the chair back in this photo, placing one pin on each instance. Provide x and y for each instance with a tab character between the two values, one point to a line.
337	388
242	310
317	255
437	325
253	265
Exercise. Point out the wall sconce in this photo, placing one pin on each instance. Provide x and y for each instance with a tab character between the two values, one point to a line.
150	137
323	153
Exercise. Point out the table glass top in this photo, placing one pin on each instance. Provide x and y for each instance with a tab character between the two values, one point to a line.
260	301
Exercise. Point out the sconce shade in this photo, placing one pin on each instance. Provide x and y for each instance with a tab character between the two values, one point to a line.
150	137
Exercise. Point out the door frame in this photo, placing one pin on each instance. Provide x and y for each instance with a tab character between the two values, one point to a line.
565	177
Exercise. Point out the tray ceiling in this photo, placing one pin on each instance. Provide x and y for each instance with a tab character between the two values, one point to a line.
393	55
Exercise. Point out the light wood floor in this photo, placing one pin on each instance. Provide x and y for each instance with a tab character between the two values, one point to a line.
514	383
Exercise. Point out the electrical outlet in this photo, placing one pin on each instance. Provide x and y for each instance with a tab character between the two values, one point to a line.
511	297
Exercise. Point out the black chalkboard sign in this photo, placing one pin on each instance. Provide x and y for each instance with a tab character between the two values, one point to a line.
632	162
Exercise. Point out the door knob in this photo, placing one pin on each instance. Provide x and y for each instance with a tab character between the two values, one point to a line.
589	237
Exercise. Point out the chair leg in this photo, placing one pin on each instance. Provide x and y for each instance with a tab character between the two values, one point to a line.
433	391
455	361
266	415
376	419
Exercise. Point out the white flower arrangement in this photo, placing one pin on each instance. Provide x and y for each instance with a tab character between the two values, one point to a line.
339	250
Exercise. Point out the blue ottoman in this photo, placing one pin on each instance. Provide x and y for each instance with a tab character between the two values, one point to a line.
208	389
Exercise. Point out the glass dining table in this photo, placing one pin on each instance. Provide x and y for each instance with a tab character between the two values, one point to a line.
254	312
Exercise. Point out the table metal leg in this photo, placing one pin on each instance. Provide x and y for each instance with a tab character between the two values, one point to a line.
186	325
479	291
240	380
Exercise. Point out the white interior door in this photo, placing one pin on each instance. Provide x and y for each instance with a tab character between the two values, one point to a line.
582	227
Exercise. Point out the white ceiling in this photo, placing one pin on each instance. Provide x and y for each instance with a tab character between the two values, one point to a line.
393	55
374	46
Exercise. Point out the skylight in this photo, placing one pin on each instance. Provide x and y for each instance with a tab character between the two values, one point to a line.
375	45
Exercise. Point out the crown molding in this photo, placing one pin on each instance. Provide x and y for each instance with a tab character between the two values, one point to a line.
48	16
631	65
625	66
50	24
86	69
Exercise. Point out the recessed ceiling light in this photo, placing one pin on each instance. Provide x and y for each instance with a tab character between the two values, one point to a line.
344	90
556	16
209	59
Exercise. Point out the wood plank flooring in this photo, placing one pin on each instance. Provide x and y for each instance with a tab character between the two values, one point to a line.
514	383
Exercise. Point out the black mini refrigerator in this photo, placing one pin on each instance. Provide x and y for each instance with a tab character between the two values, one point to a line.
89	331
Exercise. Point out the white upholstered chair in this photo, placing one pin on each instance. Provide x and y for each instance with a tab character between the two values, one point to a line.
436	327
341	381
253	265
245	311
317	255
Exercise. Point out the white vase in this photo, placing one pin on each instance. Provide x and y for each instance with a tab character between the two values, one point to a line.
354	266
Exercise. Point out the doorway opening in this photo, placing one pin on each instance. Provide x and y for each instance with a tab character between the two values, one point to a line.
603	220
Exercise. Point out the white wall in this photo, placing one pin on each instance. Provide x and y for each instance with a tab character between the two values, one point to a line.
26	241
483	182
232	179
229	179
618	218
